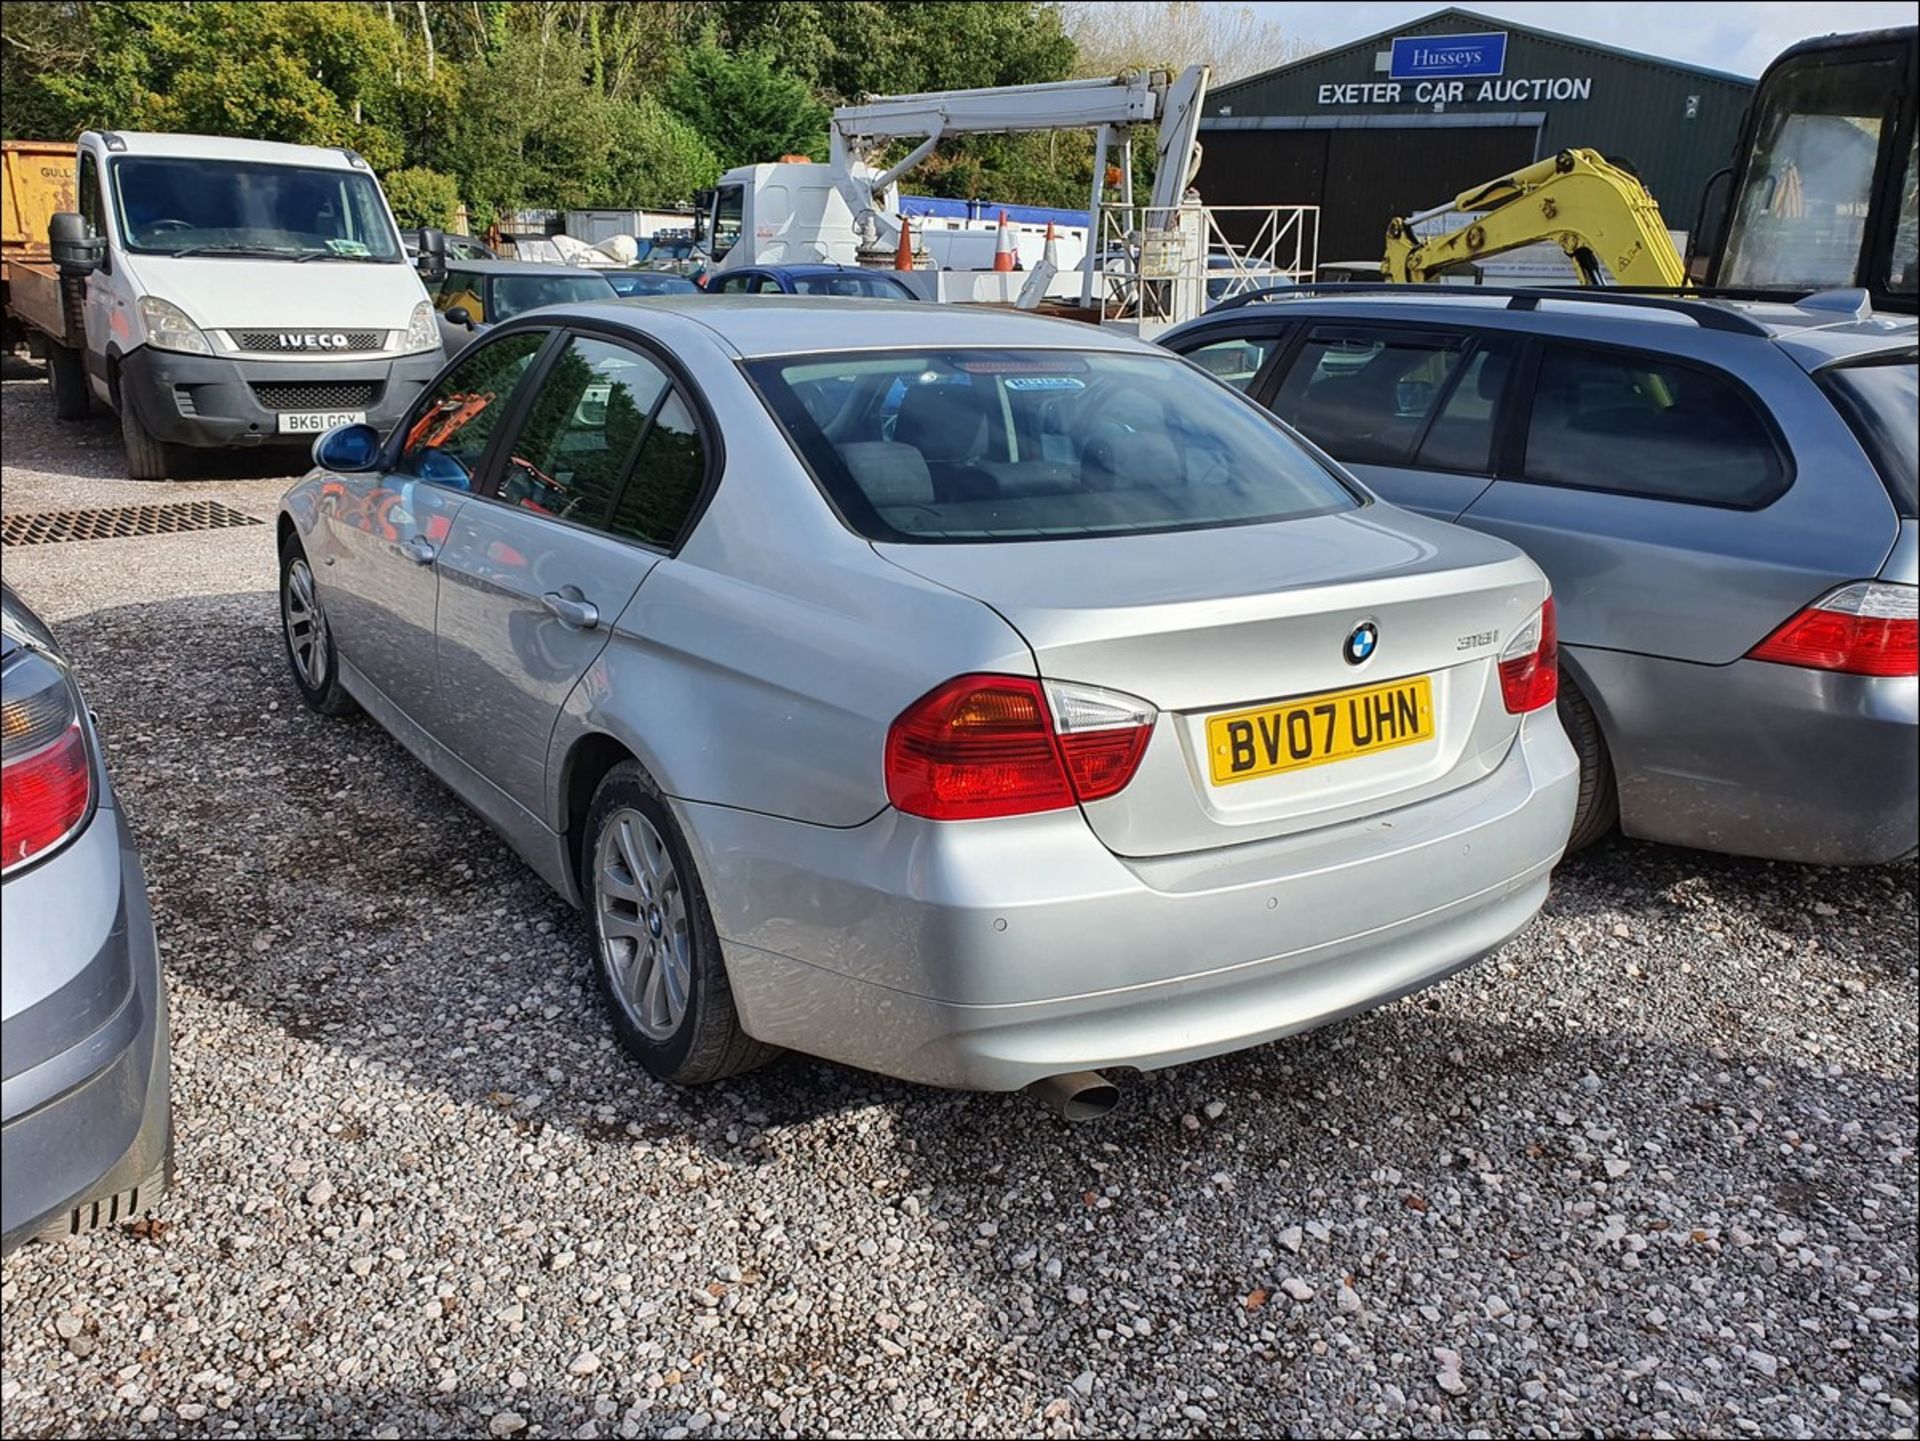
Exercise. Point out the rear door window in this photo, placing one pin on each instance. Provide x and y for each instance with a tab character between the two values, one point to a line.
1461	435
665	481
1645	425
1365	395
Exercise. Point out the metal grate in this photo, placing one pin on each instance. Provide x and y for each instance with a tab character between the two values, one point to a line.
119	522
316	394
308	342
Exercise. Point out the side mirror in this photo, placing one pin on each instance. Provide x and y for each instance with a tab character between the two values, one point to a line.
75	249
347	448
433	253
459	315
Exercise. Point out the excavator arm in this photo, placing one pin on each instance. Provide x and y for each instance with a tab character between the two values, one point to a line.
1600	214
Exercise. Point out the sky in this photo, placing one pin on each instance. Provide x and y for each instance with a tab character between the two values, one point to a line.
1741	38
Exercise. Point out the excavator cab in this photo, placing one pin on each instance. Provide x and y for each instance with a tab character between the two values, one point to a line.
1824	190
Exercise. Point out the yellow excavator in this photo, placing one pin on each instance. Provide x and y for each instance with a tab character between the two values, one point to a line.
1599	213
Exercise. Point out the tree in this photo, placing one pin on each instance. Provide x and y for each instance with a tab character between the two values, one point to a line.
654	158
1236	40
316	74
423	197
745	107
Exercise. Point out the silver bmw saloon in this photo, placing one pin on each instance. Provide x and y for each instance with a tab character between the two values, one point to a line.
968	696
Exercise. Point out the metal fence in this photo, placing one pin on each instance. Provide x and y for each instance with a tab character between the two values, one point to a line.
1163	266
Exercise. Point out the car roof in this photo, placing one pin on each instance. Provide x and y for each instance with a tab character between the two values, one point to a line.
756	325
523	267
1818	331
813	268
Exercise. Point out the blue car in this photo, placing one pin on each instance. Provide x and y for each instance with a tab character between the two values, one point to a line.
844	280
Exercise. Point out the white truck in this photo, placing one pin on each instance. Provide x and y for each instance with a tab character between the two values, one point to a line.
218	293
847	211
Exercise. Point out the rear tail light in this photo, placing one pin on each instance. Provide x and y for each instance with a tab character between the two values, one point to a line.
1869	628
1530	665
46	774
1002	745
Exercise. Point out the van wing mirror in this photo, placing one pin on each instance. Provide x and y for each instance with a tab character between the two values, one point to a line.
433	252
75	249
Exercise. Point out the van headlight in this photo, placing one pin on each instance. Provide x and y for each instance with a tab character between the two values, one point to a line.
422	333
168	328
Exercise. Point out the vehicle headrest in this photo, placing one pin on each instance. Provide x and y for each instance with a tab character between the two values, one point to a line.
943	422
890	473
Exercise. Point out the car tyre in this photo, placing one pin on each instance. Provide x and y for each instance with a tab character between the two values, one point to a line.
148	457
312	657
656	952
1598	808
67	380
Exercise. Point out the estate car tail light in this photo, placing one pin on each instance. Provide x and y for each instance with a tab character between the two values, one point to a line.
1530	665
1002	745
1868	628
46	774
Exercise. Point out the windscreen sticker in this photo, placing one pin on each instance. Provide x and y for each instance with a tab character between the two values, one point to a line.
347	247
1044	382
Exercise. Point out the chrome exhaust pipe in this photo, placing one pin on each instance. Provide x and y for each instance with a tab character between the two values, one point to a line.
1077	1095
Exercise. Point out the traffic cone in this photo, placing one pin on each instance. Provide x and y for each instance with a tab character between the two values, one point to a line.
903	257
1003	246
1050	256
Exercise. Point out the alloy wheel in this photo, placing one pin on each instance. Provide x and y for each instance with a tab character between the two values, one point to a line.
641	920
306	625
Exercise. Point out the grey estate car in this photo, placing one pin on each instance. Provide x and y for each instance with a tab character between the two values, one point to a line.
968	696
86	1136
1722	494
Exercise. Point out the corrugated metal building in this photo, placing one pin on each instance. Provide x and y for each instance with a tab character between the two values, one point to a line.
1406	119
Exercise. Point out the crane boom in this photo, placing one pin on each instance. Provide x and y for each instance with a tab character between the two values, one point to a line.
1173	101
1606	221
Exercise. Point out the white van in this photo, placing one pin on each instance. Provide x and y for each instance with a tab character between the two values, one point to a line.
234	293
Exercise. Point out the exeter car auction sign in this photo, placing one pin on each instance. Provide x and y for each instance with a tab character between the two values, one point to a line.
1441	70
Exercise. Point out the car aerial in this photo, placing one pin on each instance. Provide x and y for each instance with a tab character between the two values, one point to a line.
629	283
86	1135
969	696
472	296
851	281
1722	493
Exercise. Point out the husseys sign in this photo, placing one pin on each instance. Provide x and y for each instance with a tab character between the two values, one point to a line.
1454	69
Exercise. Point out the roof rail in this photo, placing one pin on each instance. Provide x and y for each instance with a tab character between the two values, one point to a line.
1706	316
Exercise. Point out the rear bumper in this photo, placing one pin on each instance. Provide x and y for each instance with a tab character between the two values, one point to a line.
1762	760
87	1131
209	400
988	955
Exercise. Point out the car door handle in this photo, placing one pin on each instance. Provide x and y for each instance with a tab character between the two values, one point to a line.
571	611
419	550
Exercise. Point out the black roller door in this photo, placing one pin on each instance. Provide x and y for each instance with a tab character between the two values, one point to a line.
1359	178
1260	167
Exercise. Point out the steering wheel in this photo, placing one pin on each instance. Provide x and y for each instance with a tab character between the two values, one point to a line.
160	225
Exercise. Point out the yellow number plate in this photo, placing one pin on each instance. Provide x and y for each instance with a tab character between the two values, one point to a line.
1318	728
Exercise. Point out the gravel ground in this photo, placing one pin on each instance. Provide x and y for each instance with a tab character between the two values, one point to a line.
1650	1171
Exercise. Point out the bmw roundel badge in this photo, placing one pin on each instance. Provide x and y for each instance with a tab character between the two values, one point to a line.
1360	643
